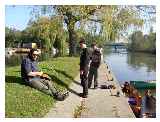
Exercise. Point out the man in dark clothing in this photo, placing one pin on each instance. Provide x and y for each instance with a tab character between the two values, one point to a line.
94	65
36	79
84	62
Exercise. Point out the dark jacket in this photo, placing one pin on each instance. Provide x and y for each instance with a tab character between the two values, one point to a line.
96	58
84	59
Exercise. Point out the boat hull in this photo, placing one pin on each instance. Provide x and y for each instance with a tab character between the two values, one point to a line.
143	85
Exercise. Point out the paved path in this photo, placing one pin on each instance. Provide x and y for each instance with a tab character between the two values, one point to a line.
100	102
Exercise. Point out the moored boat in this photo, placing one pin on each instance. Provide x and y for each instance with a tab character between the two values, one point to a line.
143	105
143	84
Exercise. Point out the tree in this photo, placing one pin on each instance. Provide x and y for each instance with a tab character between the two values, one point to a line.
71	15
46	30
12	37
145	43
117	19
114	20
137	40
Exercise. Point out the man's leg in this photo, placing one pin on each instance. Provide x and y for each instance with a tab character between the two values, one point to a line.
90	77
95	77
50	85
55	92
38	84
47	87
85	89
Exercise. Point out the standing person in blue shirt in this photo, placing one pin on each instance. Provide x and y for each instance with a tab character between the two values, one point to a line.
37	79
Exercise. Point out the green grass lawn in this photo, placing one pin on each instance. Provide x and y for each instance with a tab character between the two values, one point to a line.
24	101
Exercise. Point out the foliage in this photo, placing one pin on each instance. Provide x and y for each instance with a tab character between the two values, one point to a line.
140	42
46	30
72	15
117	19
12	37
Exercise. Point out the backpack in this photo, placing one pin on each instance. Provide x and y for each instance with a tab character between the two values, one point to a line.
96	58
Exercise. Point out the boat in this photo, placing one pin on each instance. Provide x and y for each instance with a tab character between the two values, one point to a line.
149	105
142	106
143	84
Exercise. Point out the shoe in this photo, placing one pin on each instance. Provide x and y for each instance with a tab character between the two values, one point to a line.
61	97
66	93
82	95
96	86
104	87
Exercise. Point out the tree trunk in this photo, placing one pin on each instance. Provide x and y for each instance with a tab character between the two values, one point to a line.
72	40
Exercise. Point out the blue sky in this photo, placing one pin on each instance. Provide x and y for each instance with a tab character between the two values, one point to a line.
17	16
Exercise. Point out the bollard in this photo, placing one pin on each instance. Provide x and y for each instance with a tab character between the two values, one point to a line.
118	94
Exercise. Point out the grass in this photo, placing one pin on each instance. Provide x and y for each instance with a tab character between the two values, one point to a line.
79	109
24	101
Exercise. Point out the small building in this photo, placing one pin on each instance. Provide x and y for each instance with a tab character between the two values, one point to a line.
29	45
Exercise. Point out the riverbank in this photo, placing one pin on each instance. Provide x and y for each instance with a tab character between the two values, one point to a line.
24	101
142	51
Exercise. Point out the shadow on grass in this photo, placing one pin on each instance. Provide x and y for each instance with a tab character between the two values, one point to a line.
60	82
14	79
65	74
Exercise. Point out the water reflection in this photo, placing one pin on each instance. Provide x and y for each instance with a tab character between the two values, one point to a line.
14	59
131	66
137	60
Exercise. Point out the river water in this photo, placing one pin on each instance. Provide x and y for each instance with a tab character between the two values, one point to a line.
128	66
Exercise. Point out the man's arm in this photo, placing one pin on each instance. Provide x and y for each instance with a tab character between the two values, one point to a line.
41	74
35	74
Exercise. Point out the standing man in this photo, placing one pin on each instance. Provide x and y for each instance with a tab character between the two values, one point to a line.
37	79
94	65
84	62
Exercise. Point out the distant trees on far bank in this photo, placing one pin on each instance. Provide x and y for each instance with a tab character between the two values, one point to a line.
143	43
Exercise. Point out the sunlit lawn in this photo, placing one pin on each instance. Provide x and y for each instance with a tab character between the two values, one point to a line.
24	101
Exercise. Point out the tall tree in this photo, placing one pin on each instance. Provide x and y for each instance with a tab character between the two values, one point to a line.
46	30
12	37
117	19
71	15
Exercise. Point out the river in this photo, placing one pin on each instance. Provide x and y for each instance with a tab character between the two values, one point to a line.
128	66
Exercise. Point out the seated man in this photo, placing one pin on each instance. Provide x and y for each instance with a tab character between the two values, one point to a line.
37	79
